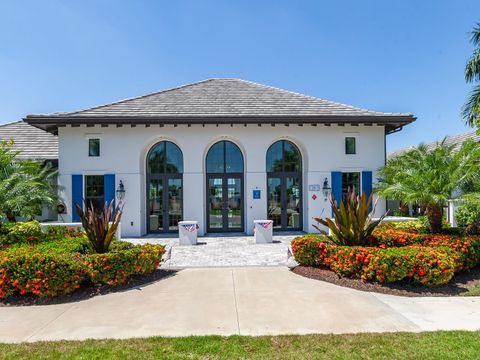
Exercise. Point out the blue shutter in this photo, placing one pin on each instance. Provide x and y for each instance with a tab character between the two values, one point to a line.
109	188
367	183
337	186
77	195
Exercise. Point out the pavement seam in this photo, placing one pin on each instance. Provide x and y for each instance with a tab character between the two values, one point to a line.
48	323
236	306
418	326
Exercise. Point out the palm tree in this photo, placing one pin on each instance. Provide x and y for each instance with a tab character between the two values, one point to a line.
471	109
429	176
25	186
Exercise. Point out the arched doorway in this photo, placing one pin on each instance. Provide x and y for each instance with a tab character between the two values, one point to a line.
164	187
284	185
224	172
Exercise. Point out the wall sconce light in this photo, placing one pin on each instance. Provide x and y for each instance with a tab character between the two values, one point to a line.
326	189
120	191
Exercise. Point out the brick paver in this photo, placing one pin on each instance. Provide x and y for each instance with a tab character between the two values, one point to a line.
224	251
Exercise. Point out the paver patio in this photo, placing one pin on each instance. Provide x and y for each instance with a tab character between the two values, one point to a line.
229	301
220	251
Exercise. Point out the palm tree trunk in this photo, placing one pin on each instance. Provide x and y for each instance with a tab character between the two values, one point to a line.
10	217
434	213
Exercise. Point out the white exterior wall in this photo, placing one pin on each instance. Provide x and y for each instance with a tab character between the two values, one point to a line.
123	152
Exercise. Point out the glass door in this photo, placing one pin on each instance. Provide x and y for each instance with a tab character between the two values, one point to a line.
274	198
215	204
284	201
164	203
174	203
234	207
293	201
225	204
155	205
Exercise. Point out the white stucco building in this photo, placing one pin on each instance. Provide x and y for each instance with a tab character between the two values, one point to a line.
223	152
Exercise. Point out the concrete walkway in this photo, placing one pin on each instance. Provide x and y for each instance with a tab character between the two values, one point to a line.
228	301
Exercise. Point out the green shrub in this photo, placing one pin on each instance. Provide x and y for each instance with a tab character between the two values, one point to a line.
421	264
117	266
60	266
43	274
29	231
60	231
414	226
467	213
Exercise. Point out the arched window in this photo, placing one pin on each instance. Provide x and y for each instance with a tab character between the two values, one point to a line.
164	187
224	171
284	185
165	158
224	157
284	156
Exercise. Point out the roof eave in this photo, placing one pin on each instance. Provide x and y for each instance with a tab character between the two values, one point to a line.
51	123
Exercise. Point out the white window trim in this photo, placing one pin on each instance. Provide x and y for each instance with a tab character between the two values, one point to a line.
350	135
89	137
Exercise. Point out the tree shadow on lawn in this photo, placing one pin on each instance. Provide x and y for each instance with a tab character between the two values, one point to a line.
87	291
461	284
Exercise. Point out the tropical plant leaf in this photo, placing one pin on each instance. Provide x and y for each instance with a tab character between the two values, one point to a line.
352	223
100	226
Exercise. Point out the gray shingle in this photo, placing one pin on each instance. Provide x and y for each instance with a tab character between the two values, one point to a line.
224	97
34	144
456	140
217	100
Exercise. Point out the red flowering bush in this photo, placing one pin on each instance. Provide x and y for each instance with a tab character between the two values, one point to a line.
465	249
398	255
116	266
57	267
41	274
28	232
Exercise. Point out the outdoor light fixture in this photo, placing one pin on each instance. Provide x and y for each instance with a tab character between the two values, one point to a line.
326	189
120	191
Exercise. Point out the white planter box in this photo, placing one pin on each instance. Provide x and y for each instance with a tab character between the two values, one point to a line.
263	230
188	232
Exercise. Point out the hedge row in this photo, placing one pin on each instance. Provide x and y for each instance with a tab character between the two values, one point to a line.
52	269
30	232
466	249
429	261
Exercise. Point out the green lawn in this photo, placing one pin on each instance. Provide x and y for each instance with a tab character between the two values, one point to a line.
432	345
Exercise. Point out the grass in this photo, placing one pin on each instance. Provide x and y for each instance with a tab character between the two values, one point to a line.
473	291
428	345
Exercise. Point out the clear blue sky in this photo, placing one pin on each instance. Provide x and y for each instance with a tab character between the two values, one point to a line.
405	56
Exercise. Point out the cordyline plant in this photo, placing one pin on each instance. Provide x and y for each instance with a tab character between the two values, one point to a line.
100	226
353	222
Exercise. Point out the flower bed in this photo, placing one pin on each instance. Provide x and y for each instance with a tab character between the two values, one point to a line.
54	266
394	256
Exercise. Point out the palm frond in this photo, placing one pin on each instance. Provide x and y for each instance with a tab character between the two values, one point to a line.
471	109
475	35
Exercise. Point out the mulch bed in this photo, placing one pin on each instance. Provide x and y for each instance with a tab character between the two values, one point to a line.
460	284
87	292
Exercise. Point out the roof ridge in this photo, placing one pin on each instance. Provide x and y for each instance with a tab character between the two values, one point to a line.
461	136
136	97
321	99
13	122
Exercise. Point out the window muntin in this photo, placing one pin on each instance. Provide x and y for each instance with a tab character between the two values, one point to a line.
94	147
350	145
224	157
95	191
284	156
165	157
350	181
